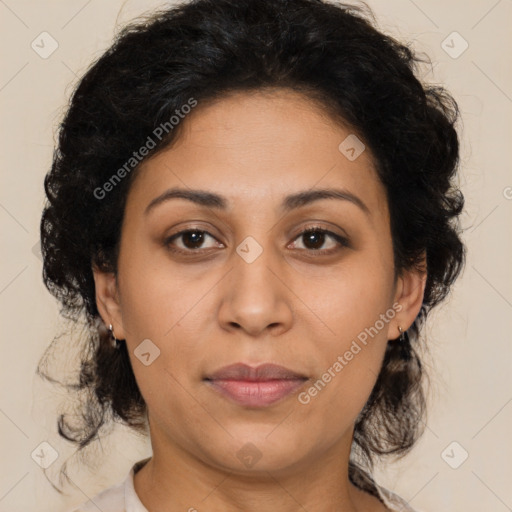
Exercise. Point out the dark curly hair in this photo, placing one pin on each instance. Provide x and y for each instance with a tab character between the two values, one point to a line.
205	49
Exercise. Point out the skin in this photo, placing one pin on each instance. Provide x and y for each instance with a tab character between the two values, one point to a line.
290	306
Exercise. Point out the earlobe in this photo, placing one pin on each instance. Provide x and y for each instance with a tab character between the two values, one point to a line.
107	300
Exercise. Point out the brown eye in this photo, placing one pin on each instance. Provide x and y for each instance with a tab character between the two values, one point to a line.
191	239
313	239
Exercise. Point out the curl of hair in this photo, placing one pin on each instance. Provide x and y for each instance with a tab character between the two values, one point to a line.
205	49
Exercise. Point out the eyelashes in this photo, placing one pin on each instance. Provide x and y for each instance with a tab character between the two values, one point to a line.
341	241
315	236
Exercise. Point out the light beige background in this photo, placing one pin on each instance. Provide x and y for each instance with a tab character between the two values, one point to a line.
469	336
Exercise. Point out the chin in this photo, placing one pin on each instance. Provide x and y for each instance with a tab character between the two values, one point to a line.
258	452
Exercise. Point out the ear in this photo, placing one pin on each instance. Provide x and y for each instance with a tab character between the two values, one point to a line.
107	300
410	290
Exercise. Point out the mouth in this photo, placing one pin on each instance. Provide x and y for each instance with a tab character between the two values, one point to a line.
255	387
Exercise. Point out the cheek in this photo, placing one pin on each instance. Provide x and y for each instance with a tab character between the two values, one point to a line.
163	303
357	310
351	297
348	364
155	294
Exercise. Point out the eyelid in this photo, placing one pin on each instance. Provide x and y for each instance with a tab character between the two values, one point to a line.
320	226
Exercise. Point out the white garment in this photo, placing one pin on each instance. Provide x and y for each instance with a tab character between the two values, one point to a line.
123	498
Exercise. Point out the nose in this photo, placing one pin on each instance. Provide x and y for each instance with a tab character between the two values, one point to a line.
255	296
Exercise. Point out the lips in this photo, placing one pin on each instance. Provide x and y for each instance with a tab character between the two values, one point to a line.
263	372
255	387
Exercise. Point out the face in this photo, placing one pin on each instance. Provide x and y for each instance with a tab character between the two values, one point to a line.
245	284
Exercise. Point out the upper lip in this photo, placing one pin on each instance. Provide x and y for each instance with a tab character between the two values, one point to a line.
263	372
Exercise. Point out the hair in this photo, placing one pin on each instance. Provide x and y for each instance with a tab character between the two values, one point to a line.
207	49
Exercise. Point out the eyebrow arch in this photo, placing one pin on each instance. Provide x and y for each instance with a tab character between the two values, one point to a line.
290	202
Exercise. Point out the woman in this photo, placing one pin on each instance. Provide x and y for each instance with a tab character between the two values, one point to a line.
252	205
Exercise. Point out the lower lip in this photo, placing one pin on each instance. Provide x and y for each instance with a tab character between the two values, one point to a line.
256	394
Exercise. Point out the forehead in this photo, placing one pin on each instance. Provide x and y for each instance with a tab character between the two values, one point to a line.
256	147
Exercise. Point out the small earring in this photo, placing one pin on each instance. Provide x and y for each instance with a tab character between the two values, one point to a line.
402	334
115	342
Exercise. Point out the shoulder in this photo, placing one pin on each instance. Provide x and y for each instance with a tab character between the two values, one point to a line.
109	500
393	501
120	497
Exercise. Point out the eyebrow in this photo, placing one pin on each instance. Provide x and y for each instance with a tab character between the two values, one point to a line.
290	202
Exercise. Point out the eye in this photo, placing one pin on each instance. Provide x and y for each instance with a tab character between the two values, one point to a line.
313	238
192	240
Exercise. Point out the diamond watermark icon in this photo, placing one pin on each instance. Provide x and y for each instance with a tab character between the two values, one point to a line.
44	455
454	455
44	45
36	250
454	45
248	455
352	147
249	249
146	352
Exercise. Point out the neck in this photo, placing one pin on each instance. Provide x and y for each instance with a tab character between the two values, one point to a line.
174	479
